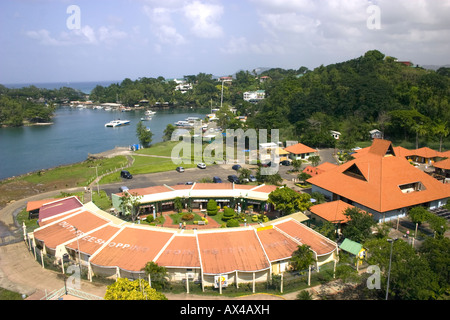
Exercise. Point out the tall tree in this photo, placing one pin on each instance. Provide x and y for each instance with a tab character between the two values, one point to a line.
144	135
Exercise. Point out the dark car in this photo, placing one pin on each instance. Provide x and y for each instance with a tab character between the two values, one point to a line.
125	174
236	167
217	180
233	178
180	169
285	163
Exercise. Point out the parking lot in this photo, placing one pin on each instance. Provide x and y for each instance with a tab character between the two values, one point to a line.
189	175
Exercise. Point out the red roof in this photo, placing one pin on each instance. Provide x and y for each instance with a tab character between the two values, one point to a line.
332	211
34	205
443	164
182	251
59	206
313	171
132	248
276	245
299	148
92	241
228	251
65	229
304	235
374	180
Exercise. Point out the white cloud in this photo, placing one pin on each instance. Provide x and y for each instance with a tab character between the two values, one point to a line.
84	35
204	19
163	26
340	26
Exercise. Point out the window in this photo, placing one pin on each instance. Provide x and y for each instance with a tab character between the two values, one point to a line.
412	187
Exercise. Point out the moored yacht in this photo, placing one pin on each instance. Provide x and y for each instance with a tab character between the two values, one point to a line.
117	123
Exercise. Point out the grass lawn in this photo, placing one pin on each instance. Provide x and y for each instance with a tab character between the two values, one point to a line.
9	295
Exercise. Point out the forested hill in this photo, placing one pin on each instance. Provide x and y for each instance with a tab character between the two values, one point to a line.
355	96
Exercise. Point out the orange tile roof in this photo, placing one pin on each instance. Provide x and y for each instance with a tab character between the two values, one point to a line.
228	251
34	205
132	248
266	188
378	186
149	190
443	164
332	211
301	233
182	251
445	154
299	148
211	186
276	244
91	242
425	152
64	229
313	171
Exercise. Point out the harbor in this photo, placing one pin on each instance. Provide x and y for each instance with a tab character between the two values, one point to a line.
77	132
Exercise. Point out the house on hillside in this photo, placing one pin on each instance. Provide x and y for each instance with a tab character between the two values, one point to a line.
382	183
376	134
254	96
300	151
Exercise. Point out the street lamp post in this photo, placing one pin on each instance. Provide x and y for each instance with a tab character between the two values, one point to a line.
390	261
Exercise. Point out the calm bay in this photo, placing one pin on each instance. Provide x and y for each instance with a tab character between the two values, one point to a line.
76	133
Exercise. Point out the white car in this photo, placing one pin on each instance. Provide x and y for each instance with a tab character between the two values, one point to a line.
201	166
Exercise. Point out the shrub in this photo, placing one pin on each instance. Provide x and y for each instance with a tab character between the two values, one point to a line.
228	213
211	207
232	223
187	217
149	218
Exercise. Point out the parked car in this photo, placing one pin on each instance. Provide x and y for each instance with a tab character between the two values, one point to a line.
123	189
190	183
201	165
125	174
285	163
252	178
217	180
233	178
236	167
180	169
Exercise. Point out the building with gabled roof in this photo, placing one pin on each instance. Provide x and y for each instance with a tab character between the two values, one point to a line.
300	151
111	247
381	183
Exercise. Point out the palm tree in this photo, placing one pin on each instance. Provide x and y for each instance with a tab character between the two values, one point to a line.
420	129
441	129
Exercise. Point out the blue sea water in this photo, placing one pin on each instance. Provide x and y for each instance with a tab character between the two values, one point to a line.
76	133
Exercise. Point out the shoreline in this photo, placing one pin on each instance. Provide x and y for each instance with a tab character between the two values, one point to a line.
117	151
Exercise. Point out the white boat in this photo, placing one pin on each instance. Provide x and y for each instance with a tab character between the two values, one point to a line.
150	112
192	119
117	123
182	123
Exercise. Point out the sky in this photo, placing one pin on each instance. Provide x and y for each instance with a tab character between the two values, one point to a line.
101	40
